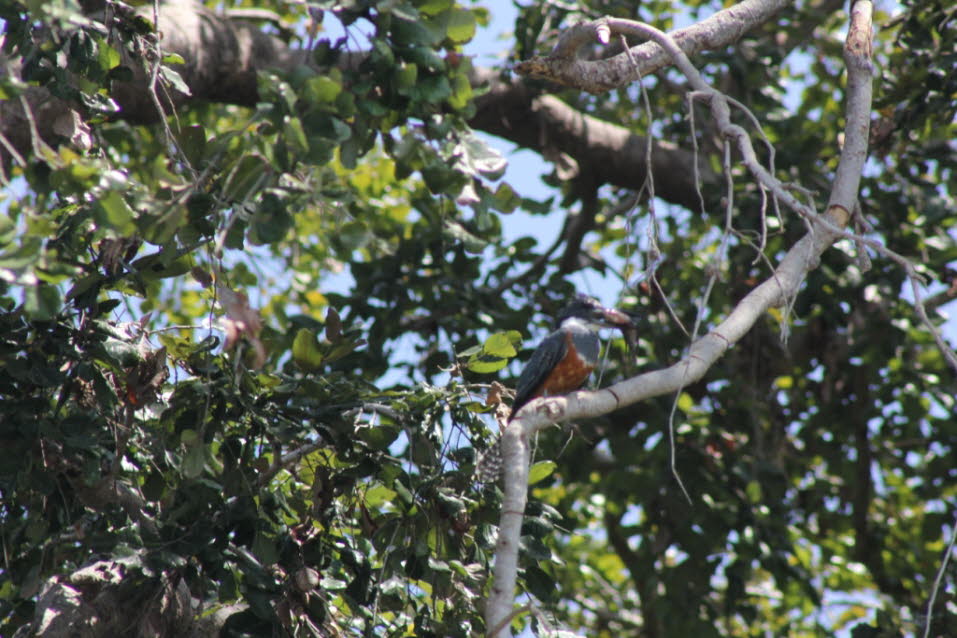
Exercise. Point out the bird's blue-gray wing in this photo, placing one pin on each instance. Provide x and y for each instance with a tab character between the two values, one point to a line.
549	352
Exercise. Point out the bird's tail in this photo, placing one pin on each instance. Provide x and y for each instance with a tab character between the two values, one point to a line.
489	465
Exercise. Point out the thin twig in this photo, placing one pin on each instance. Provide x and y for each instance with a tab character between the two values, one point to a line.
35	140
13	151
154	96
939	579
154	75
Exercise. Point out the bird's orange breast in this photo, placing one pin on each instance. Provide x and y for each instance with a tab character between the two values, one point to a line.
567	376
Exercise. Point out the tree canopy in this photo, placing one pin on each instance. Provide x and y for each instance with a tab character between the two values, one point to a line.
265	285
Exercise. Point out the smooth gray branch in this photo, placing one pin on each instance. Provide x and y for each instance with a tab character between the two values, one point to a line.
776	290
598	76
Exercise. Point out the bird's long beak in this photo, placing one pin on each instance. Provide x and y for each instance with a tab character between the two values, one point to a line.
628	324
613	318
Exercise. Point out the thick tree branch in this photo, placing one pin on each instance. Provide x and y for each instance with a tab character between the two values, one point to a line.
599	76
547	125
704	351
498	608
223	57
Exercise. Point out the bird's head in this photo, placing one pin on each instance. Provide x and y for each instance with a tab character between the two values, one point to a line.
589	310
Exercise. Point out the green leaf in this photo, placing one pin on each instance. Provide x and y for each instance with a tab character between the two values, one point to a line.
321	89
42	302
404	77
506	199
349	153
434	7
332	584
404	494
478	158
174	79
305	350
435	89
161	268
540	471
461	92
537	526
346	105
107	57
343	348
246	178
459	25
192	141
685	402
265	548
439	566
195	461
753	490
294	133
272	220
380	437
502	344
458	233
120	352
8	230
378	495
484	364
469	352
113	212
22	256
425	58
785	382
84	284
413	33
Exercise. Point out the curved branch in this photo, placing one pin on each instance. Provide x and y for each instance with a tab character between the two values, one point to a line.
719	30
704	351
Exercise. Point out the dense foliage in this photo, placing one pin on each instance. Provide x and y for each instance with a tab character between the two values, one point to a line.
245	350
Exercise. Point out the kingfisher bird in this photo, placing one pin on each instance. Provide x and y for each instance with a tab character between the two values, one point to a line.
560	364
563	360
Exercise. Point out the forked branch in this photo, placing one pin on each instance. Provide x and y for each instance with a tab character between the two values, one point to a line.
783	285
598	76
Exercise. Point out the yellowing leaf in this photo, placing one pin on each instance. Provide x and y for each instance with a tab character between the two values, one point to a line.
784	382
685	402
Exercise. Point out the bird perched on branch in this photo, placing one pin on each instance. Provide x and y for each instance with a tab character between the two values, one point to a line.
560	364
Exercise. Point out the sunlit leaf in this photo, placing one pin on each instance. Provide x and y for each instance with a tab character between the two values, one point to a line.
305	350
540	471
